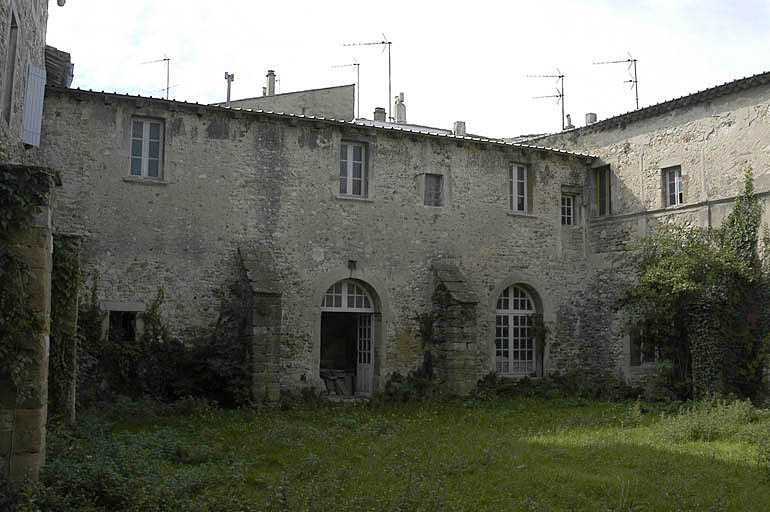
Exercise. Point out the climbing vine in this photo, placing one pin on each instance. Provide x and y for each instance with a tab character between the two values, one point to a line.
62	362
22	190
701	299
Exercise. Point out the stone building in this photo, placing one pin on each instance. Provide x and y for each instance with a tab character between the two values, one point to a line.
22	83
366	244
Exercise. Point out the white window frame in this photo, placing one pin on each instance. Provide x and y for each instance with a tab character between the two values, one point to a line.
144	157
517	188
514	322
568	210
431	200
347	163
673	179
347	296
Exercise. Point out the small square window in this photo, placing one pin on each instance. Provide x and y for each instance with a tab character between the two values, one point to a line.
123	326
146	158
353	176
517	188
568	210
433	190
673	180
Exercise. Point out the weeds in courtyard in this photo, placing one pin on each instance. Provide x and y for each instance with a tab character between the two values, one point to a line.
502	453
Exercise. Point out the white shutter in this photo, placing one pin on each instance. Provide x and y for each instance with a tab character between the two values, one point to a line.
33	107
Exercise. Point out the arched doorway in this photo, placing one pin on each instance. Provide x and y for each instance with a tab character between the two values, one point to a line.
515	350
347	338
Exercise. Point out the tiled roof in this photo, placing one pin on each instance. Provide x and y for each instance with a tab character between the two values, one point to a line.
364	123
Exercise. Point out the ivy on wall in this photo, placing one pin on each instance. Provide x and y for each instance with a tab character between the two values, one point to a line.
62	362
701	298
22	190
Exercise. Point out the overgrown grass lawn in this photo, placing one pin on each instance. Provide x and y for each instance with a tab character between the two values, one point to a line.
504	454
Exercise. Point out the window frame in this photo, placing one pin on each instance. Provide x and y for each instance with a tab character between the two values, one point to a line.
568	217
9	65
518	188
674	172
432	194
603	190
514	325
350	162
146	140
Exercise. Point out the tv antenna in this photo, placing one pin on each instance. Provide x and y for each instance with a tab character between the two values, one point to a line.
559	76
358	82
230	77
168	66
632	77
385	44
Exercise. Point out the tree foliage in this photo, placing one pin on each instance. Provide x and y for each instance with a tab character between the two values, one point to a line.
699	297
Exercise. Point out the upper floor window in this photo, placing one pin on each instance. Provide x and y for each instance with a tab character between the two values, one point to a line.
9	68
517	188
568	210
434	184
353	181
603	190
146	148
673	179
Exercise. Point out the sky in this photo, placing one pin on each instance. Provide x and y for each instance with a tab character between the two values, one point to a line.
453	60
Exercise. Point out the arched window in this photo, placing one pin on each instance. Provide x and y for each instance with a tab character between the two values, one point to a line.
514	345
347	295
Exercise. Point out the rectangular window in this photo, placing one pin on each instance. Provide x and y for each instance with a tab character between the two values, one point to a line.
10	68
353	170
603	190
146	148
643	350
517	188
568	210
122	326
673	179
433	190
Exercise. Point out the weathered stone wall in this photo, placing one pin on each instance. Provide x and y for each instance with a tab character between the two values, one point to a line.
31	16
713	140
271	182
330	102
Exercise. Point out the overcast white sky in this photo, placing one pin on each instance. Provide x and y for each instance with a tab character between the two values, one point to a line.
454	60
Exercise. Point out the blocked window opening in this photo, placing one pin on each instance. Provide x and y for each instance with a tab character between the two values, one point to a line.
347	339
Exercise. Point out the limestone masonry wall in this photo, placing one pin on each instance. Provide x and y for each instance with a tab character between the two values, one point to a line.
272	183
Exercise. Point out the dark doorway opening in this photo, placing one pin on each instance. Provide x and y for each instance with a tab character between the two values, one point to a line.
338	352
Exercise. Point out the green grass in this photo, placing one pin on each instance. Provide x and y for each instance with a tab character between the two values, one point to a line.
504	454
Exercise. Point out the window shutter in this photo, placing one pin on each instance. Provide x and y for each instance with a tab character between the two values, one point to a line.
33	107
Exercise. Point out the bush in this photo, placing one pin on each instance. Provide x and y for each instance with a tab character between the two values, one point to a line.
574	384
414	387
710	419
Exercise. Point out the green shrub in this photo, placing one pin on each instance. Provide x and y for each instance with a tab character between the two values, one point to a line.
414	387
574	384
709	419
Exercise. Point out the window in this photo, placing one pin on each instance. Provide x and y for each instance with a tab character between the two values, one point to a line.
514	344
517	188
146	148
603	190
353	170
123	326
10	68
673	179
643	349
434	184
568	210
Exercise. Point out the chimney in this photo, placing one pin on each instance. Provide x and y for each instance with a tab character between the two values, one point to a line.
379	114
270	82
590	118
459	129
569	123
400	108
264	91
